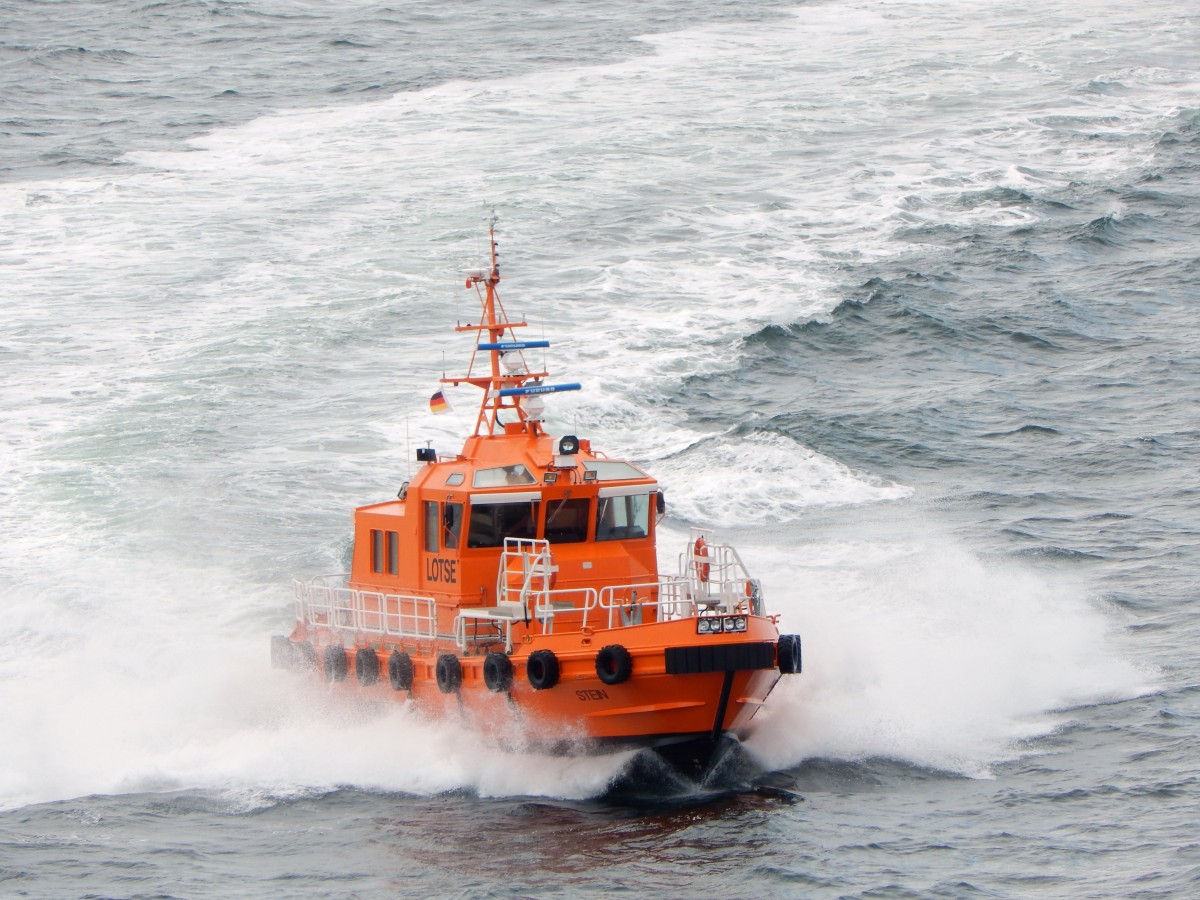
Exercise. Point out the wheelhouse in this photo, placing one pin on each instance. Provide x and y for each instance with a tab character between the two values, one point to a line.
446	529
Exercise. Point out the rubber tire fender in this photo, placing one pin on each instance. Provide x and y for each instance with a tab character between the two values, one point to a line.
336	664
281	652
304	657
541	668
497	671
366	666
400	670
789	656
614	664
449	673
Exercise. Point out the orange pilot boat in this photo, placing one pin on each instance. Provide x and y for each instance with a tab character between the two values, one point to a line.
516	585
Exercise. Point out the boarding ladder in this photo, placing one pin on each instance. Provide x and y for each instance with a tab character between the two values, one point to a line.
524	584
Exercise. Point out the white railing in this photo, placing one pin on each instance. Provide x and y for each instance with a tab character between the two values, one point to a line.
717	579
627	604
712	580
325	600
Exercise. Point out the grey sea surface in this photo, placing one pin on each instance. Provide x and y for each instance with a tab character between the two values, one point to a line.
899	297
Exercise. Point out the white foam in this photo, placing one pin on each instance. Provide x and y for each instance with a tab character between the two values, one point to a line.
917	650
758	479
163	683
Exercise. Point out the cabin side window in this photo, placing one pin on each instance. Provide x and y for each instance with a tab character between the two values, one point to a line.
376	550
622	518
431	527
393	553
491	523
567	521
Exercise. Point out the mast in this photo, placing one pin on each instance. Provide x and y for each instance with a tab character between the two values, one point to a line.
505	378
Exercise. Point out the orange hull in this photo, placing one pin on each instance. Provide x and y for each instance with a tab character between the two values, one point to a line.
653	705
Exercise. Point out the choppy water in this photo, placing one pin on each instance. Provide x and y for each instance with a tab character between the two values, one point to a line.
902	296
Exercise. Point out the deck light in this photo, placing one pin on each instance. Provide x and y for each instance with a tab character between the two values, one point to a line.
720	624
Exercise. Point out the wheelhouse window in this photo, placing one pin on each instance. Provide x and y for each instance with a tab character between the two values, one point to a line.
501	476
431	527
613	470
376	550
567	520
452	518
491	523
621	518
393	553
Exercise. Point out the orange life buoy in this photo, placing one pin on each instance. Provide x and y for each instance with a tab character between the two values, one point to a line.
700	558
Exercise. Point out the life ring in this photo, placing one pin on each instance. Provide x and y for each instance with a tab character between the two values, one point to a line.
497	671
335	663
700	559
400	671
614	664
366	666
449	673
788	654
542	669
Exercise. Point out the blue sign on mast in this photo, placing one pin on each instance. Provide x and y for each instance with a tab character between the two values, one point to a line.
515	345
538	389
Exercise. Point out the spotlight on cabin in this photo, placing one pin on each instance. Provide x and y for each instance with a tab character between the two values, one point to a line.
568	445
426	455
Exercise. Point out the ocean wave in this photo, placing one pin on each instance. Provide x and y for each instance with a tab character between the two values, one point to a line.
747	477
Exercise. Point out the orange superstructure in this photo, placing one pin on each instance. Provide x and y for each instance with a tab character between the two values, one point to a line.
516	584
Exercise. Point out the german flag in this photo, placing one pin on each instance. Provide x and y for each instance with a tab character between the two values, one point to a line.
438	403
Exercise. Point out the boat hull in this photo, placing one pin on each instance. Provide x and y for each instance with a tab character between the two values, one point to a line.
681	694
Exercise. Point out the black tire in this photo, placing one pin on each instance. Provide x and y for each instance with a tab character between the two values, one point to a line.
366	666
304	657
281	652
542	669
497	671
449	673
336	664
614	665
400	671
790	662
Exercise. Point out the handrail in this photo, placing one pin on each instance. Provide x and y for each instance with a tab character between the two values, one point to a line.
717	578
373	612
625	604
712	582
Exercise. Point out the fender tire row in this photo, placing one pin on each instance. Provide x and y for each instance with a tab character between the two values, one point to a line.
614	665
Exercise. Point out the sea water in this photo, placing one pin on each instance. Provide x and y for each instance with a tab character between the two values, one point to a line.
899	297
